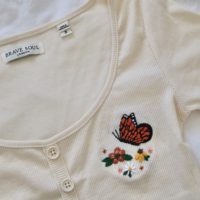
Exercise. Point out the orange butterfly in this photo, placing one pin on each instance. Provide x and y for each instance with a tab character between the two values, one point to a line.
131	132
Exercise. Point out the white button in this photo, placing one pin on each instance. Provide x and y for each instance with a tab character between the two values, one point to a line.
67	185
53	152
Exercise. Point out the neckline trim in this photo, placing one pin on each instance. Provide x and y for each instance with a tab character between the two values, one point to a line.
99	100
46	26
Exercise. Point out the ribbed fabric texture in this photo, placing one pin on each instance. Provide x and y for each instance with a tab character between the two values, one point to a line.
140	57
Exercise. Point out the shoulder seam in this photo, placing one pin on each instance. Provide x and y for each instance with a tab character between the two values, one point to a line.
168	80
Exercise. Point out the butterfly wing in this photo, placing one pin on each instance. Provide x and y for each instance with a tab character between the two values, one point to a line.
127	127
143	134
132	133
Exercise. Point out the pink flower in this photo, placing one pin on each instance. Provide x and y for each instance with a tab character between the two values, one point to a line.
117	155
150	150
120	170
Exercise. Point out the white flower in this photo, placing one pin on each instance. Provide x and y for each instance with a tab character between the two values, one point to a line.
130	166
129	169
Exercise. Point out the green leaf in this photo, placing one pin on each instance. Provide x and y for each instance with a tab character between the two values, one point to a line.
130	174
127	157
147	158
125	173
108	161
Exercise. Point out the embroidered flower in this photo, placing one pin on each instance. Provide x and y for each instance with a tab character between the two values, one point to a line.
119	155
104	151
141	156
120	170
129	169
126	165
150	150
132	161
141	168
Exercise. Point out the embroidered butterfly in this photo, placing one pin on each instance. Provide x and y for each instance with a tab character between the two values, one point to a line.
131	132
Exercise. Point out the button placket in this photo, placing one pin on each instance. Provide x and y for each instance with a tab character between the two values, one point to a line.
53	152
67	185
60	172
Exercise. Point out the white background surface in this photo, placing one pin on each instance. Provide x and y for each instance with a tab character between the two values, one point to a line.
20	15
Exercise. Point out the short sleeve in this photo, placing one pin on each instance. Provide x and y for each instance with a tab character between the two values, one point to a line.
173	31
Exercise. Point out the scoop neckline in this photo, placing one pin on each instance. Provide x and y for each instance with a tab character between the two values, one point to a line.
80	123
46	26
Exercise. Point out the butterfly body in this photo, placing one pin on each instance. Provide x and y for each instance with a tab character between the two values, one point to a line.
131	132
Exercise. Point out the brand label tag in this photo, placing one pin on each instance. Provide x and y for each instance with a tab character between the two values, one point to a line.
21	51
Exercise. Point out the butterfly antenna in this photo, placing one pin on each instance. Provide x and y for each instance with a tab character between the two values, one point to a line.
116	134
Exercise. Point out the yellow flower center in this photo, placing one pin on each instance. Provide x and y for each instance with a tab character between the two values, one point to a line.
139	157
129	168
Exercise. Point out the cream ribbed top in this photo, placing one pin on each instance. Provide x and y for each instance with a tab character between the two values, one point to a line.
92	106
